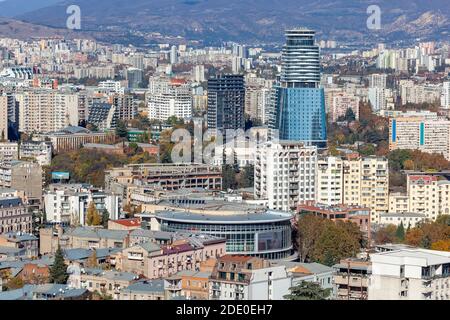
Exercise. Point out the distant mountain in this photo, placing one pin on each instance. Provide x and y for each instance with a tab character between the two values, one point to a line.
12	8
22	30
261	21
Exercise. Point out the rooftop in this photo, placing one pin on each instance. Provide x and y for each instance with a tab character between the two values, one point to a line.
267	216
404	214
414	256
146	286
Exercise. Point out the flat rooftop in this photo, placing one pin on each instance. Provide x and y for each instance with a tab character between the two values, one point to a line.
268	216
416	255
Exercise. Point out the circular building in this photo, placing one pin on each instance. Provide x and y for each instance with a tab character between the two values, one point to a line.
266	234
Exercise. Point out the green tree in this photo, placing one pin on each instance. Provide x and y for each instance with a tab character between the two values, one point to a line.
121	129
443	219
228	177
246	177
350	115
426	242
400	233
306	290
105	219
58	271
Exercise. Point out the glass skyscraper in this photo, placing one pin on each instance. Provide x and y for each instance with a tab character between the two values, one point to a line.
298	103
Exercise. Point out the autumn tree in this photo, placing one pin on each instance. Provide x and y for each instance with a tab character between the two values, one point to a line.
309	228
386	234
93	217
326	241
335	242
414	237
15	283
92	260
441	245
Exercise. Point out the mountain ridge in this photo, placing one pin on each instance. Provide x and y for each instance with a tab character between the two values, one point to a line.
258	21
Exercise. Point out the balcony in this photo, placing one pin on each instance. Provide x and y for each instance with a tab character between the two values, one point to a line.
354	281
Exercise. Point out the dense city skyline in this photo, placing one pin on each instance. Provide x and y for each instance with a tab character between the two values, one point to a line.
232	168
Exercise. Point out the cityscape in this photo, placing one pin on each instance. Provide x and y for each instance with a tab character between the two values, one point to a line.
293	163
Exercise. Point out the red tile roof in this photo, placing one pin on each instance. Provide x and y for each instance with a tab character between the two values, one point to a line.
128	222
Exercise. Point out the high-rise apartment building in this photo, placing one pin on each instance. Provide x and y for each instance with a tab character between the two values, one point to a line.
285	174
330	181
125	108
429	195
169	97
198	73
355	182
25	177
420	133
135	77
226	100
445	97
341	103
257	97
3	118
42	111
377	80
173	55
298	105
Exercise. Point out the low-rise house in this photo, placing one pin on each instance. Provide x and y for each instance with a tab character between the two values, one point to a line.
69	203
27	244
45	292
248	278
104	282
408	219
14	216
31	271
82	256
142	235
311	272
186	252
191	284
35	273
81	237
41	151
144	290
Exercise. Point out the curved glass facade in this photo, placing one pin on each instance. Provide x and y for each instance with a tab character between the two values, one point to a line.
269	240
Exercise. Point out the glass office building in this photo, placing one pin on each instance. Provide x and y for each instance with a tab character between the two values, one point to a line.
298	102
226	100
263	234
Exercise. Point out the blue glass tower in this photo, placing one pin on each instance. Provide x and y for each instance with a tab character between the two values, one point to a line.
298	102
